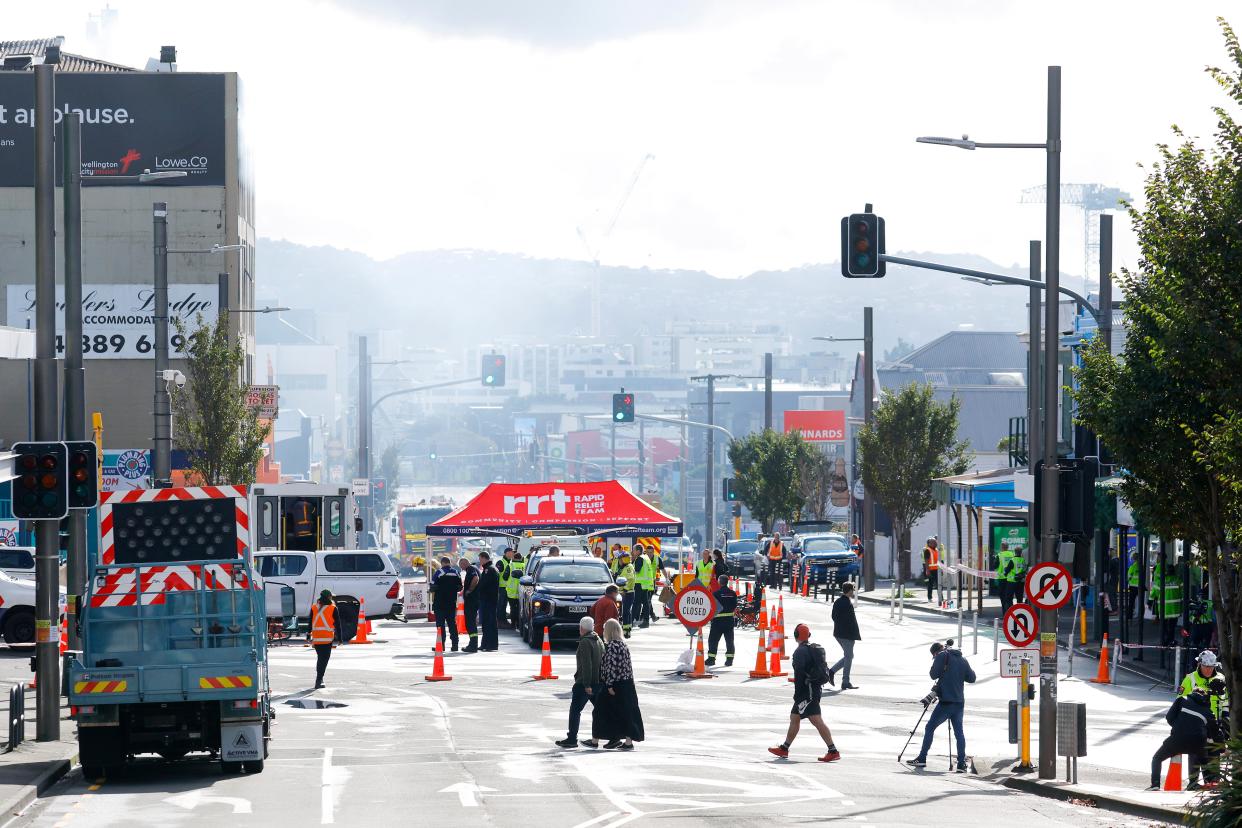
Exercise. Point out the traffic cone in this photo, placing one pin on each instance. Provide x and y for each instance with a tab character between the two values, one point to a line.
64	636
780	622
700	666
748	591
793	580
806	580
763	610
1173	780
1103	676
761	661
775	669
461	615
437	666
545	663
361	633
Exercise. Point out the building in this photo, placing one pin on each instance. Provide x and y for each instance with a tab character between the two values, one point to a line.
133	121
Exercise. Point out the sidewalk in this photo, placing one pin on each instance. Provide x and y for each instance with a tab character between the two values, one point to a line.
33	767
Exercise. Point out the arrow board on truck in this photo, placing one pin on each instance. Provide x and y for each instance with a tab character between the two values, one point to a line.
1020	625
1049	586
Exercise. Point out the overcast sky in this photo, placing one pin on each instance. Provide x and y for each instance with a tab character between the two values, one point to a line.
393	125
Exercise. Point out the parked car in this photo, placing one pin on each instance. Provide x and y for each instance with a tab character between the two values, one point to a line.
17	609
364	574
740	556
828	552
18	561
558	594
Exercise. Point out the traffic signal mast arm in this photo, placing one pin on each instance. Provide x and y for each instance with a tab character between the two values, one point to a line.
417	388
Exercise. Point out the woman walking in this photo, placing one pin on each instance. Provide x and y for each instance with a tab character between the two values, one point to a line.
617	716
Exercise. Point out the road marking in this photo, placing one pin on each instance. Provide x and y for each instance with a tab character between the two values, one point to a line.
599	818
467	793
192	799
325	795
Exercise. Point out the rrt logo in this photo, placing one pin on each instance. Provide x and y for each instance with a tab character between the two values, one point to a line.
532	503
129	158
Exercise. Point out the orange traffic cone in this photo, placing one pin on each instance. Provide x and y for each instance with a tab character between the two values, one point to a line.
748	590
793	580
775	669
761	661
763	610
545	663
361	633
64	636
1173	780
461	615
1103	676
806	580
437	666
700	666
780	622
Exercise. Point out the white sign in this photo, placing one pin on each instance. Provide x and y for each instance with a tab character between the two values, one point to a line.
126	469
361	487
694	606
1048	585
117	320
241	742
1011	662
415	599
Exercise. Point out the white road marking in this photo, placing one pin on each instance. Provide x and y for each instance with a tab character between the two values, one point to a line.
467	793
192	799
599	818
326	816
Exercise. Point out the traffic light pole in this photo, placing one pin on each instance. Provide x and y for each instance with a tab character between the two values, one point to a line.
161	457
75	381
364	431
47	532
868	417
709	485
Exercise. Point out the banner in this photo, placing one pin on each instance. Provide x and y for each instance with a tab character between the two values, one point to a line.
9	532
126	469
415	599
131	122
817	426
117	320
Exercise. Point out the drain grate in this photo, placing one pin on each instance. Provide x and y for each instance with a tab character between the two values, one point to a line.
314	704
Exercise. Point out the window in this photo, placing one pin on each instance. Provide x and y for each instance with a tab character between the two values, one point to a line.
277	565
334	518
824	545
353	563
16	559
554	572
268	517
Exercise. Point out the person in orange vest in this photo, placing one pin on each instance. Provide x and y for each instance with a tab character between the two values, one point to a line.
325	632
302	525
776	561
931	565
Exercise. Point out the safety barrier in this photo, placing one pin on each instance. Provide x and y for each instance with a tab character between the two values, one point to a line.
17	717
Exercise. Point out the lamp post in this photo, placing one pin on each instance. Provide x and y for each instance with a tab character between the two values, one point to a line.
1047	497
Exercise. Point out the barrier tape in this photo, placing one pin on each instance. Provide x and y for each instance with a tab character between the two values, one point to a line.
1125	646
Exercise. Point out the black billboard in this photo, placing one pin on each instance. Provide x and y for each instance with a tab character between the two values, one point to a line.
130	122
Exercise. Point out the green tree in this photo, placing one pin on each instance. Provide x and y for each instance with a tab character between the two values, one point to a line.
222	437
765	471
912	440
1169	407
815	476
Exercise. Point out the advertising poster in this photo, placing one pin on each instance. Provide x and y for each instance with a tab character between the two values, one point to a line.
126	469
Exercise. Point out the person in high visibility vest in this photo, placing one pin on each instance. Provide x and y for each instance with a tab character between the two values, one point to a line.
625	571
776	561
1004	563
324	632
644	575
614	559
1166	600
1202	621
517	568
931	565
1134	580
657	578
705	569
502	597
1208	678
1019	574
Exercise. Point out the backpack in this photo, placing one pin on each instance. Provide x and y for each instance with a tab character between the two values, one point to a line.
817	670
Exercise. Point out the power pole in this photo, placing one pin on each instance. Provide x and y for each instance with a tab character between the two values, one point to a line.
364	429
1106	336
868	419
642	453
75	381
161	459
709	482
767	392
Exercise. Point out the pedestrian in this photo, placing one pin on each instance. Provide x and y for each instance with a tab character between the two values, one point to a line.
704	568
489	591
1207	677
625	580
722	622
845	631
720	566
1188	717
325	632
604	608
1004	563
776	561
445	585
618	717
614	559
931	565
586	681
502	597
951	672
644	585
1134	577
810	667
657	579
1166	600
470	603
1017	581
1202	621
517	568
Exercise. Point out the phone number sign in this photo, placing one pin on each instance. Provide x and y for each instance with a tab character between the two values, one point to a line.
694	606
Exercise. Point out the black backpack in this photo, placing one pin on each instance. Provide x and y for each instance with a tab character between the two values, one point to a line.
817	670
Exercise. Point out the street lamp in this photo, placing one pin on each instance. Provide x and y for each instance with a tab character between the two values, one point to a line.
1048	496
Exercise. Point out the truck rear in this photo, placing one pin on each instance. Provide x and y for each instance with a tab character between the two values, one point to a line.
174	649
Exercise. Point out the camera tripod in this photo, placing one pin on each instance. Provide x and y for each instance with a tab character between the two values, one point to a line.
952	741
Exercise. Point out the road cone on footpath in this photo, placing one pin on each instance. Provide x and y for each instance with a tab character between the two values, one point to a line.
363	629
545	662
793	581
461	616
700	666
1103	676
437	666
748	590
761	660
1173	779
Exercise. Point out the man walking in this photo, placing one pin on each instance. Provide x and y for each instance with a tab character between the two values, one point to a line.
325	632
470	603
625	572
722	623
517	568
445	585
845	631
951	672
644	585
489	592
586	681
931	565
604	608
810	672
776	561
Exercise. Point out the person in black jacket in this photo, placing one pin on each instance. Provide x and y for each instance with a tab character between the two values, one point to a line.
488	592
845	631
445	585
722	621
951	672
470	603
1189	717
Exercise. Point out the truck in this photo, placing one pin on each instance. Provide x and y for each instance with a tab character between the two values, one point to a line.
305	516
173	630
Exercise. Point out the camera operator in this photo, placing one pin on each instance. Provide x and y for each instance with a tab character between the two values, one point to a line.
951	672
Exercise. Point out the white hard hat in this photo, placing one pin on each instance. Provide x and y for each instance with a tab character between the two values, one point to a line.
1207	658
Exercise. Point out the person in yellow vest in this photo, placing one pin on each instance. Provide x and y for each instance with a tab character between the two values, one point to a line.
1208	678
705	569
325	632
625	571
614	559
776	561
931	565
517	568
502	597
645	573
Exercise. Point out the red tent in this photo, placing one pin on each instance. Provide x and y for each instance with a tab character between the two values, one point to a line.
509	508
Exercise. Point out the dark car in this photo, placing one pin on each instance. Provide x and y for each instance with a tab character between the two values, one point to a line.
560	592
740	556
828	553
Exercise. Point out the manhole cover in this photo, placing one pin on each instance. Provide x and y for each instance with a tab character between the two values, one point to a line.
314	704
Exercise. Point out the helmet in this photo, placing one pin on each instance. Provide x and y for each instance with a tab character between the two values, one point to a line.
419	560
1207	658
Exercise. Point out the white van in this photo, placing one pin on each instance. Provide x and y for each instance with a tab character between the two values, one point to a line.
366	574
18	561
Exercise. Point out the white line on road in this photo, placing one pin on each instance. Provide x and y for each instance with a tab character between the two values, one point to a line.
326	816
599	818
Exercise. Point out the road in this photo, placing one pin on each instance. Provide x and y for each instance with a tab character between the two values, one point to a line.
380	745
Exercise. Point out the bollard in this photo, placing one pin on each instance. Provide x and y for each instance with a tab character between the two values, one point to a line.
1024	717
1082	626
959	625
901	605
975	623
892	601
995	638
1177	669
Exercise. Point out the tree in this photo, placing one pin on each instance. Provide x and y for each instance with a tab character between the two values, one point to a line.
765	471
901	349
815	478
222	437
390	467
1168	409
912	440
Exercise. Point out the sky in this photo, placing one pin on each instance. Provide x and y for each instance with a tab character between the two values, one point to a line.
387	126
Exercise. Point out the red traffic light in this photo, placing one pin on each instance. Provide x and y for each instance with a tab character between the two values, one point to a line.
49	461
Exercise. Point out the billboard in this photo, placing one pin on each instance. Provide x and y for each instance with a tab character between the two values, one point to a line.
817	426
126	469
130	122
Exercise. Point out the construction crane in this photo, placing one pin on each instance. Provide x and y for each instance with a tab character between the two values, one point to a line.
1092	199
594	252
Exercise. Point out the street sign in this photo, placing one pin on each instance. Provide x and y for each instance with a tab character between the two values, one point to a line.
361	487
1020	625
1049	586
694	606
1011	662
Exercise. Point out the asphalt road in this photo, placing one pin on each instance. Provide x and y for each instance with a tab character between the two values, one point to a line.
393	749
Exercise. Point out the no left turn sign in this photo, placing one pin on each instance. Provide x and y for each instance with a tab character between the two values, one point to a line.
1020	625
1049	586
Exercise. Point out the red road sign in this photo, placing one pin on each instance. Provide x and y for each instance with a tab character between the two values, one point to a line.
694	606
1020	625
1049	586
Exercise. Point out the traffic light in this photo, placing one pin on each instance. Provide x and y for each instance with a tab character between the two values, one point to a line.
730	492
83	474
432	454
737	510
493	371
41	490
623	408
862	242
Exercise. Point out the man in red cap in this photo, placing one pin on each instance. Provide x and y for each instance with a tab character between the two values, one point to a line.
810	665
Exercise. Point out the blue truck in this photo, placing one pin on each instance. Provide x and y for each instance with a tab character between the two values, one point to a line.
173	626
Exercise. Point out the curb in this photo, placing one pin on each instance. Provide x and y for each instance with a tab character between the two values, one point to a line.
26	794
1111	803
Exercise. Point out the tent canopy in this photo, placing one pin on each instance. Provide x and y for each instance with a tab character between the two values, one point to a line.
510	508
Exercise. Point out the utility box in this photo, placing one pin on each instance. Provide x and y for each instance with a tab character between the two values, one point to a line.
1071	729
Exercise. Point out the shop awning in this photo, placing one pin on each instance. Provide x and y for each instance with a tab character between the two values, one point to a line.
511	508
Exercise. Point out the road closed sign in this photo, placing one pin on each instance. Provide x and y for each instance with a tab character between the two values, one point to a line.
694	606
1020	625
1048	585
